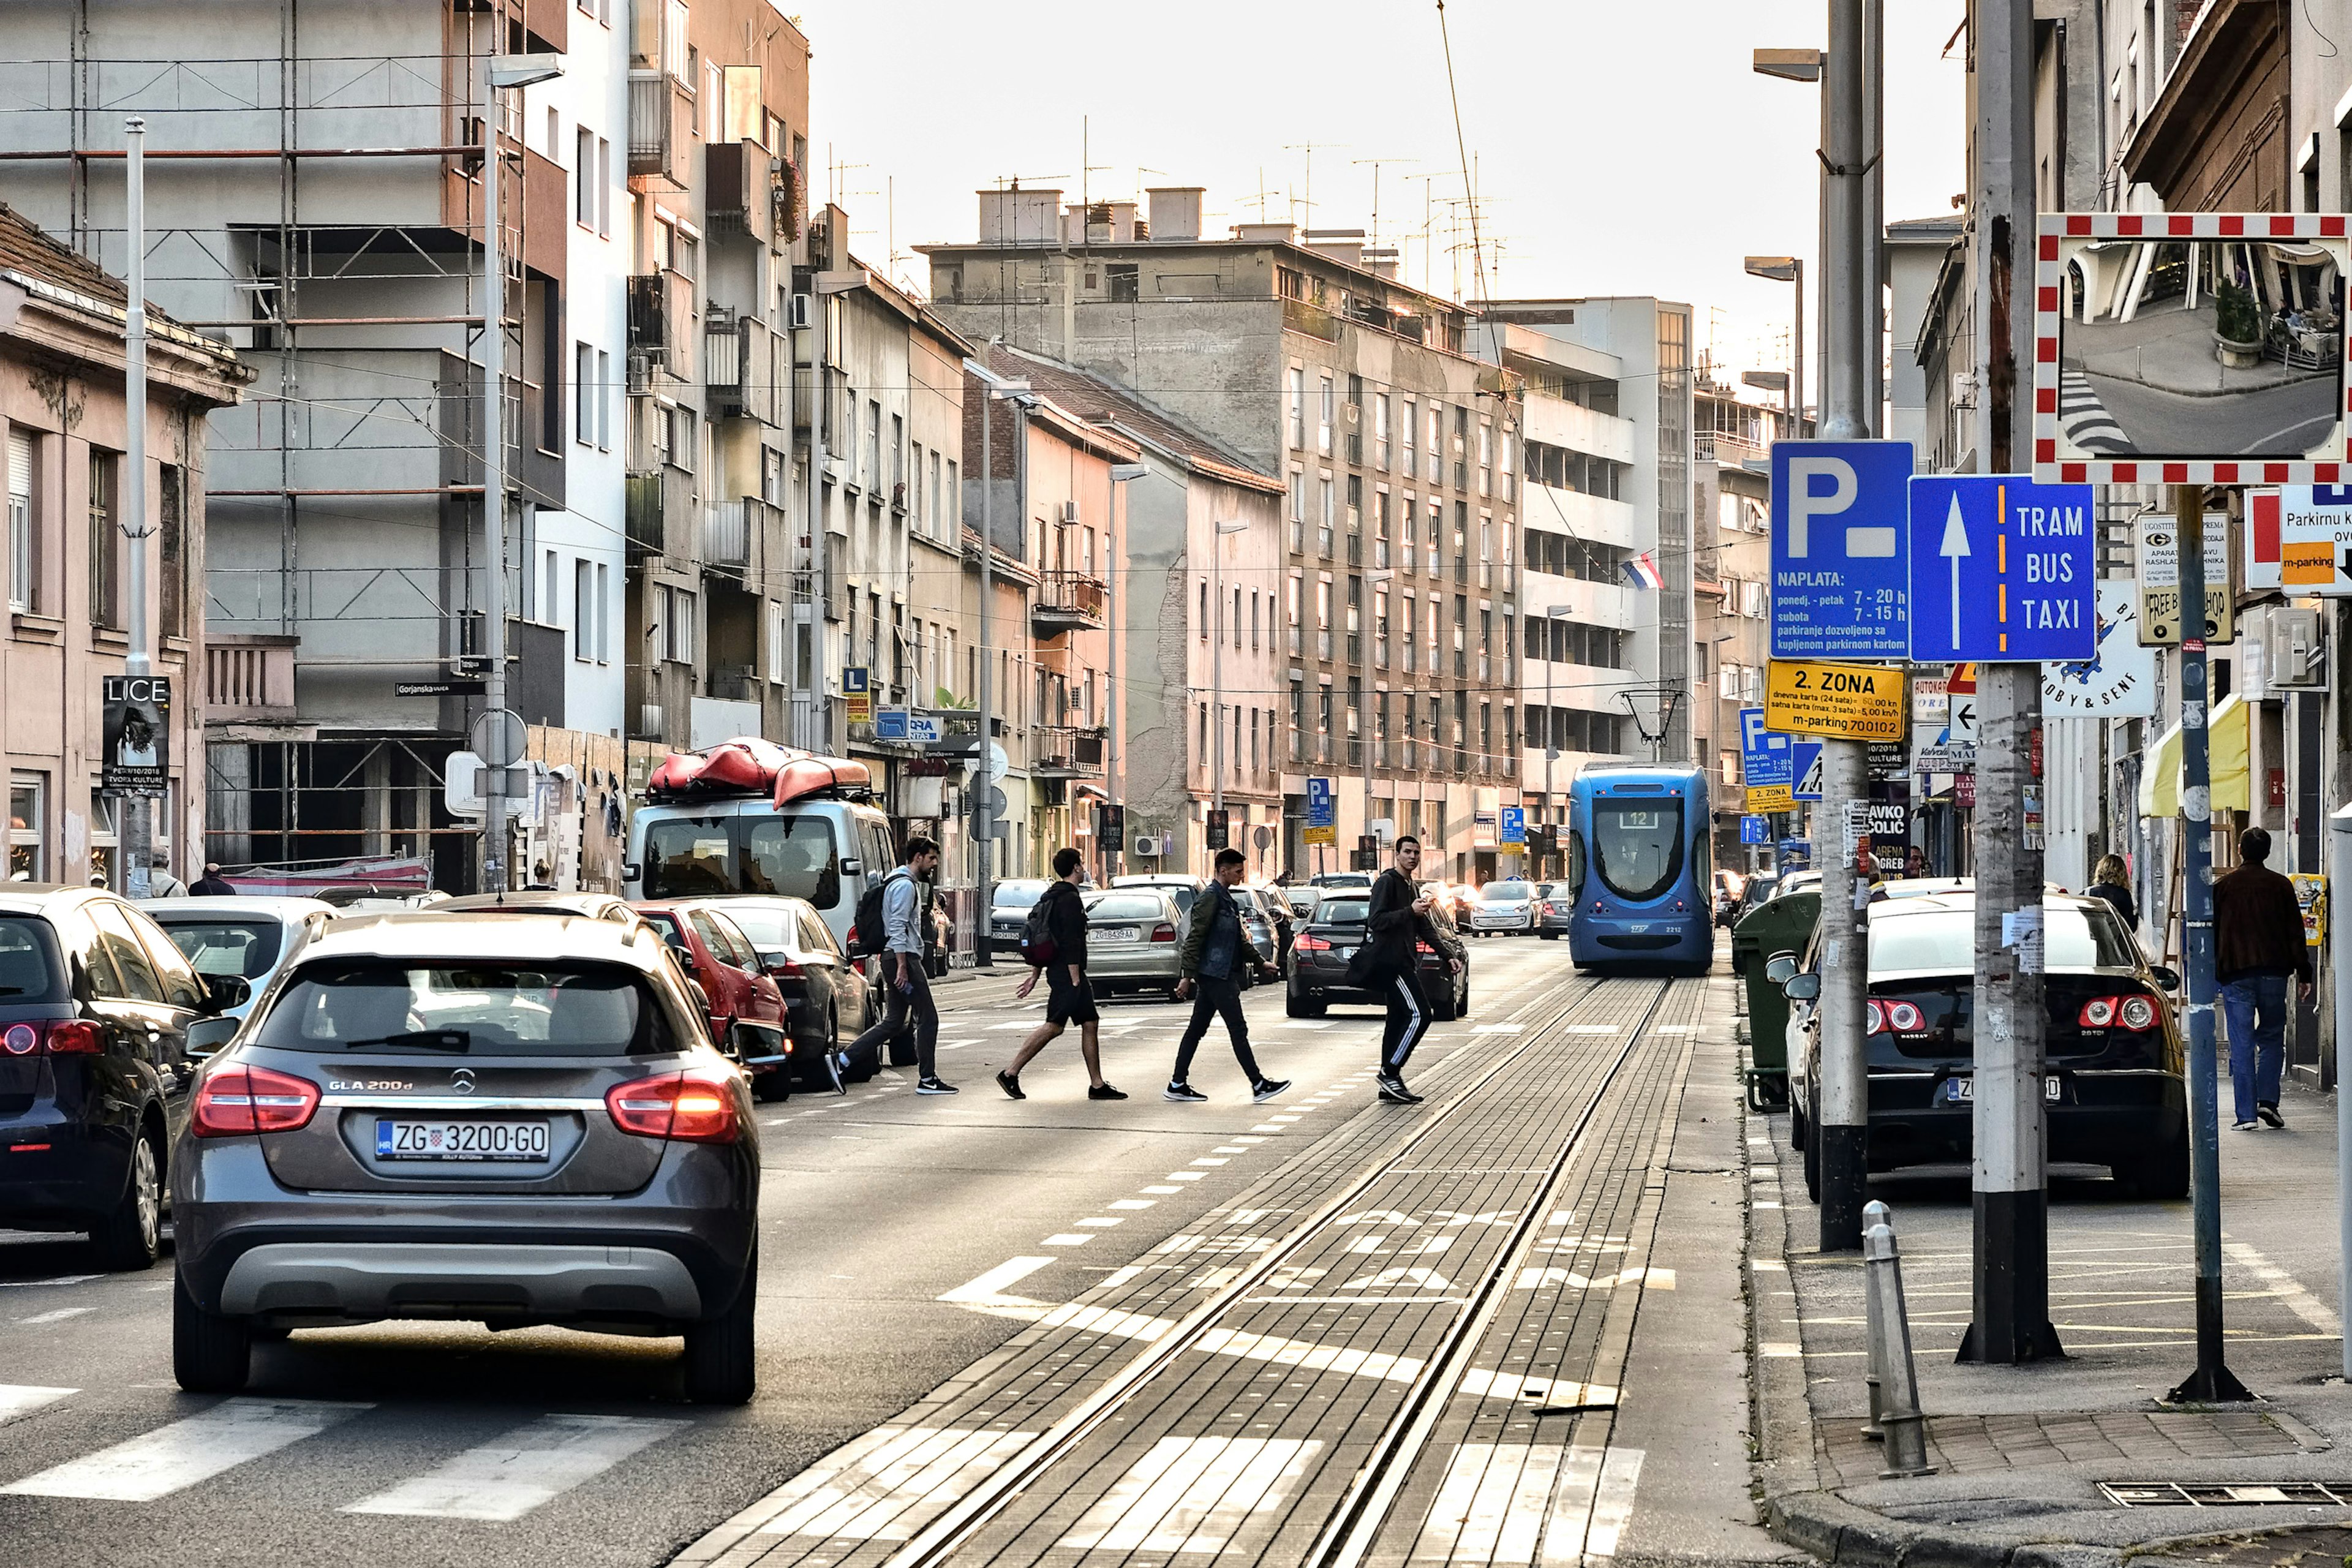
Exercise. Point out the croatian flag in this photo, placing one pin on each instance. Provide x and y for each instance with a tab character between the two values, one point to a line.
1643	573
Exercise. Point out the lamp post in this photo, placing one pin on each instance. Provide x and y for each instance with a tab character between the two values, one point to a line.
994	386
503	73
1121	475
1788	269
1217	663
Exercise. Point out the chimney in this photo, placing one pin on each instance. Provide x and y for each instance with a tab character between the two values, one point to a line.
1266	233
1175	211
1018	218
1343	245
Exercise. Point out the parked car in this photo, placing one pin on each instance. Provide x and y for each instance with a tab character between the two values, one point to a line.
1761	886
1132	937
1459	899
95	1063
2115	1091
1303	902
1279	917
743	1006
252	937
478	1117
541	901
1319	963
1555	906
1257	924
1342	879
1009	913
1182	889
827	997
1505	907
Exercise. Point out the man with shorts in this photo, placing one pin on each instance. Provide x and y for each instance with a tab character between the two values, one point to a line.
1068	999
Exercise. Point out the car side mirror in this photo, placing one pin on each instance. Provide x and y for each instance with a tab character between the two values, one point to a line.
776	962
1780	967
2170	979
701	997
205	1037
1802	987
852	866
633	871
223	992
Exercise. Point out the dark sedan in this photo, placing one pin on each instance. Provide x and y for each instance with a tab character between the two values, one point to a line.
1320	955
826	995
1009	903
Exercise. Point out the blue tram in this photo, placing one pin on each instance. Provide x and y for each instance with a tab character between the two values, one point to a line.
1639	870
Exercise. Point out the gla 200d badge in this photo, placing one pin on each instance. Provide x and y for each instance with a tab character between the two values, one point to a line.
347	1085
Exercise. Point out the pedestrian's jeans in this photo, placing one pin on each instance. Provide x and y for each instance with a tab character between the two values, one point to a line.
904	1010
2255	1010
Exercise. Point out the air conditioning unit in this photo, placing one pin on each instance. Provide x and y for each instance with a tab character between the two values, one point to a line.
1150	844
803	312
1964	388
2297	656
1069	511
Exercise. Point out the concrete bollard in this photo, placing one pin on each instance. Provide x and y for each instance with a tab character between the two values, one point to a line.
1873	1214
1904	1427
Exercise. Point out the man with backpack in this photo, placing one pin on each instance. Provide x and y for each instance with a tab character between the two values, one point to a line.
1053	944
1216	949
899	908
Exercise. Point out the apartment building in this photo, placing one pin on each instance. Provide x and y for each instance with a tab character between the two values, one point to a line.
1397	449
63	422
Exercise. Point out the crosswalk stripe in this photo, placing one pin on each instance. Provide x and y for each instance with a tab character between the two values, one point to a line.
1192	1494
18	1398
505	1478
868	1489
169	1458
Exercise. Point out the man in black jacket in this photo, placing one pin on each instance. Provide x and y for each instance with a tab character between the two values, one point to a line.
1069	998
1397	924
1216	949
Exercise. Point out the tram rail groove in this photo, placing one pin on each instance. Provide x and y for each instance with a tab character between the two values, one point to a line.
938	1540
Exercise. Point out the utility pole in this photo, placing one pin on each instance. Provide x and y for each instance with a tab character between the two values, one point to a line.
1843	1127
134	875
2009	1304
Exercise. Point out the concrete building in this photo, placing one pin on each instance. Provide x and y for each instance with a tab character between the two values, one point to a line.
1396	444
62	426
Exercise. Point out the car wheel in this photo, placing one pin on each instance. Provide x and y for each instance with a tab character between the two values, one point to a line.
1441	1007
1548	935
719	1353
131	1235
2162	1175
1813	1168
1798	1126
210	1354
1297	1006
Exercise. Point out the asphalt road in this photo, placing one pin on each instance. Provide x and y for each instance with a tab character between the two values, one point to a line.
2278	421
418	1443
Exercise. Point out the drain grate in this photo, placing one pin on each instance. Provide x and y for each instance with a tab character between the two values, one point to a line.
2226	1494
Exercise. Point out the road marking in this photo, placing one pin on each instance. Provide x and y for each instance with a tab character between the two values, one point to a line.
1103	1222
1228	1149
1068	1238
1267	1127
1238	1139
158	1463
21	1398
989	1288
2283	1286
1492	1505
1592	1028
1282	1120
1780	1350
1650	1279
1162	1191
59	1316
1192	1494
509	1477
1542	1390
1612	1502
867	1489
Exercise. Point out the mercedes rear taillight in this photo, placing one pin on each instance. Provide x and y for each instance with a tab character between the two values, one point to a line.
236	1101
697	1107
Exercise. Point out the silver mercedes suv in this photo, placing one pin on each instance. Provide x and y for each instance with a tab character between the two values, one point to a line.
511	1119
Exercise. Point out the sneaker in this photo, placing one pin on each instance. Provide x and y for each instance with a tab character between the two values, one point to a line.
1267	1087
1011	1084
935	1085
1393	1093
2246	1127
1103	1092
2269	1114
833	1071
1183	1094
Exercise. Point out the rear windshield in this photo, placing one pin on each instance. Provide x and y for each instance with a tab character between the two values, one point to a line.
1946	940
29	970
1505	892
786	857
1344	911
1126	907
1016	895
551	1010
243	948
771	925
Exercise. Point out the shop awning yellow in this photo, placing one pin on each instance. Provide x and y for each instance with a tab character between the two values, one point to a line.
2160	779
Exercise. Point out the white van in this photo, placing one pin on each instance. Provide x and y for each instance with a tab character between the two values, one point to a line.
823	848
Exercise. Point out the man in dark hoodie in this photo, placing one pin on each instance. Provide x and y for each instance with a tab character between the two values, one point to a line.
1069	999
1397	924
2258	946
1216	951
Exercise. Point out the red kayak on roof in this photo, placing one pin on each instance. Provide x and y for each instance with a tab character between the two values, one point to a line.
750	765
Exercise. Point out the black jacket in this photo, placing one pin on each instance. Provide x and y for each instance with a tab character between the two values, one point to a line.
2121	896
1392	927
1065	925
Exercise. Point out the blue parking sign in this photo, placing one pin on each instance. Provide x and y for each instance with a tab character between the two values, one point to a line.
1514	825
1841	548
1322	807
1765	756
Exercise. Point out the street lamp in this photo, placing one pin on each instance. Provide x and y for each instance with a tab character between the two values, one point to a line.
1788	269
1551	613
1121	474
503	73
983	780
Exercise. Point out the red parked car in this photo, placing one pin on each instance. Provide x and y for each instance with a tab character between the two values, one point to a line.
746	1009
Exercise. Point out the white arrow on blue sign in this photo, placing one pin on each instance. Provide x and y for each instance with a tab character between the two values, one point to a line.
2003	570
1841	544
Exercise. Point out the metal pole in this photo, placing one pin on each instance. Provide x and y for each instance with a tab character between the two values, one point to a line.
1217	672
134	875
1874	217
1842	1125
1110	661
983	780
2212	1381
494	486
2339	939
1904	1428
1797	376
818	709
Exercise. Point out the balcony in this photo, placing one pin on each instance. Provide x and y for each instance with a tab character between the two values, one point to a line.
249	680
657	510
1065	751
1067	601
661	133
742	358
661	321
650	722
727	534
744	193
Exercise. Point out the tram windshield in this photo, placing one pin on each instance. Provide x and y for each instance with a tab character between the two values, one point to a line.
1637	845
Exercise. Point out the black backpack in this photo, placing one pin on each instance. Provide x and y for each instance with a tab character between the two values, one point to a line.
867	937
1037	940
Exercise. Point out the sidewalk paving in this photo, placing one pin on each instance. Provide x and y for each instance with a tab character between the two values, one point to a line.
2021	1453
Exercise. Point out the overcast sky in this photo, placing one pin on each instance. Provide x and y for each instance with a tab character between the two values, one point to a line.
1621	146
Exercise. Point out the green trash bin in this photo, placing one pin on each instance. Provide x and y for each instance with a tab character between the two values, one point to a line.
1777	925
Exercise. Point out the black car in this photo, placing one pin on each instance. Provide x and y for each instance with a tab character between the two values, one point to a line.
1009	906
95	1004
1317	970
826	996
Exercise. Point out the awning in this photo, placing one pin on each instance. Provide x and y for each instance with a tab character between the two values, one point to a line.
2160	779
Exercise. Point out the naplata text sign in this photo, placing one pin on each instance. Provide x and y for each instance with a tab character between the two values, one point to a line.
1856	701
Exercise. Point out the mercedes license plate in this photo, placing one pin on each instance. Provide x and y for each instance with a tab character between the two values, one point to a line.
1960	1091
1117	935
406	1139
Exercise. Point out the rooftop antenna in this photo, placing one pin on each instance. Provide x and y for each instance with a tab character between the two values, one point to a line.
1263	196
1308	200
1376	164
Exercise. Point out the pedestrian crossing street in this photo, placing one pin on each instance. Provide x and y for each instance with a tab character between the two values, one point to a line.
498	1481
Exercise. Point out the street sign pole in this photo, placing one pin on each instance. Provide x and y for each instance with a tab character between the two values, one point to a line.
2212	1381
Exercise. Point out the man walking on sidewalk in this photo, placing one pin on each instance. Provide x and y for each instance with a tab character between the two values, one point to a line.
2258	942
1215	952
1389	964
1069	998
906	916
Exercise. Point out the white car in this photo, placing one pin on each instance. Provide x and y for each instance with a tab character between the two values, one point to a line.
1505	907
251	936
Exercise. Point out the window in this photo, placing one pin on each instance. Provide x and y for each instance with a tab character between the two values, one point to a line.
1326	412
1297	407
1326	517
604	398
28	815
605	186
1485	458
1406	426
713	107
1380	430
551	607
1298	509
678	56
583	175
583	393
583	609
105	541
604	614
172	550
24	590
1204	610
938	517
873	470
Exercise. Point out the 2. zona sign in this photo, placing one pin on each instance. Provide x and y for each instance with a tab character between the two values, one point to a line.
1858	701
